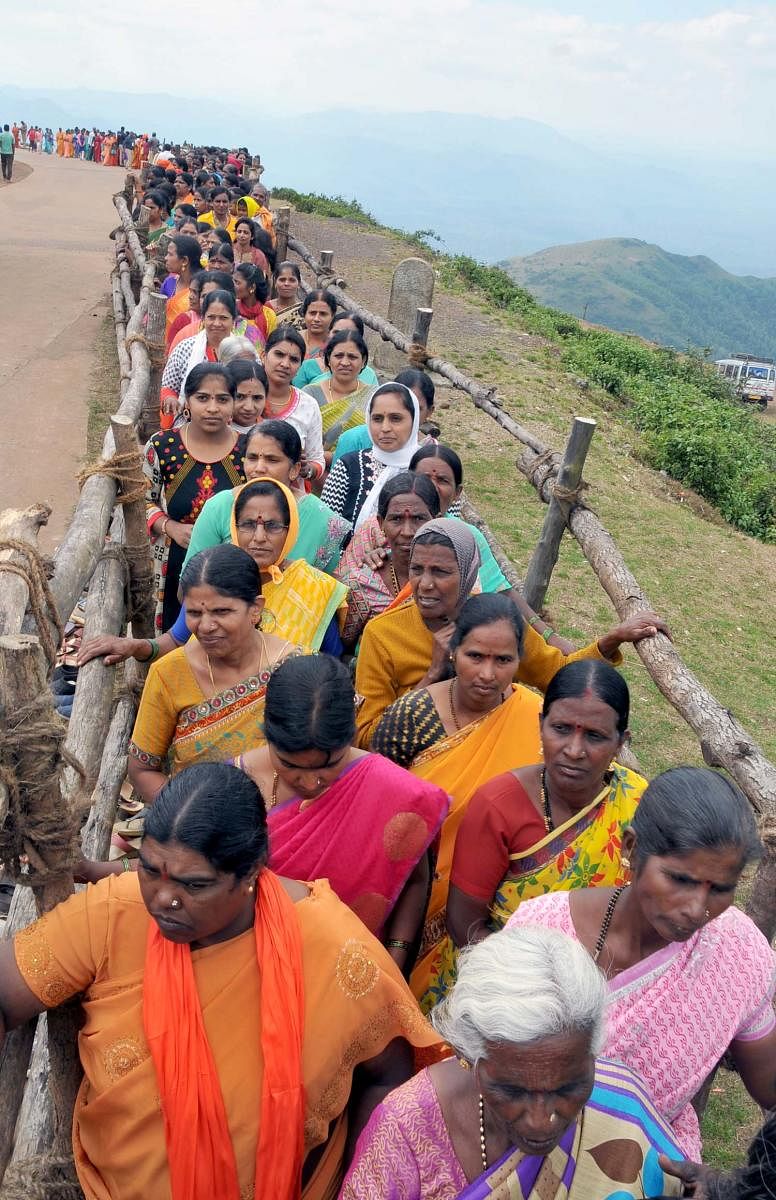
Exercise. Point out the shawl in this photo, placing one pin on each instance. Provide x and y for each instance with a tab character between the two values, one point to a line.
199	1146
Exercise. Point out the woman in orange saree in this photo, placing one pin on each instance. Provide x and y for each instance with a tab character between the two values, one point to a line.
459	733
271	991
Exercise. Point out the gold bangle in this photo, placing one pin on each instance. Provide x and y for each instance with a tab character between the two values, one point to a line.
126	862
165	523
398	944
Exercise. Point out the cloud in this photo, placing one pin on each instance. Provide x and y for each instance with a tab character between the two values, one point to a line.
699	81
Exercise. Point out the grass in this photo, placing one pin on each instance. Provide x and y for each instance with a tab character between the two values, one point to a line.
729	1123
104	394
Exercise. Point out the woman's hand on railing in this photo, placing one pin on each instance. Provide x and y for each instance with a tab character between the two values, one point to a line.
114	650
642	625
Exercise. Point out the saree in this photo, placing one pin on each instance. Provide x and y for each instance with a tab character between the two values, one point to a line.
610	1150
664	1018
340	413
459	763
583	852
391	820
176	720
302	605
355	1003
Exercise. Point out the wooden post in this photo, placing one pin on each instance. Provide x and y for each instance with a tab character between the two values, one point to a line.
327	258
154	335
282	226
137	545
17	1047
545	556
120	322
96	835
422	325
129	189
18	525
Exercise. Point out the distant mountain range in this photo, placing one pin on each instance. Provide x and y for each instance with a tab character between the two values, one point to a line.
669	298
488	187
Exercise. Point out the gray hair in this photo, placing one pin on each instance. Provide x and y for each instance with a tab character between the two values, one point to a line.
235	347
520	986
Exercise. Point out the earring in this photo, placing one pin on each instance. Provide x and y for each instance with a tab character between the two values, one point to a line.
186	414
464	1065
625	862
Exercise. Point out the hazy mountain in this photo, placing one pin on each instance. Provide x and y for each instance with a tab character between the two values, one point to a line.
634	286
488	187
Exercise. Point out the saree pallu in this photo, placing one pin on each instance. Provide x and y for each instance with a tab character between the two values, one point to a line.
355	1004
345	412
301	607
176	720
391	819
505	739
612	1150
584	852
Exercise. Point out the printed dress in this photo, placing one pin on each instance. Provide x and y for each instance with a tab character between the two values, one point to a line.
178	487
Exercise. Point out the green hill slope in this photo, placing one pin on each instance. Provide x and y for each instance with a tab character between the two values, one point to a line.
631	285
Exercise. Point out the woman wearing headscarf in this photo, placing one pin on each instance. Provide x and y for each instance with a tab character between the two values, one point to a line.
408	646
356	480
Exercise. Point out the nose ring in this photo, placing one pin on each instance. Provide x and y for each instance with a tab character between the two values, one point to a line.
319	781
553	1118
175	903
708	914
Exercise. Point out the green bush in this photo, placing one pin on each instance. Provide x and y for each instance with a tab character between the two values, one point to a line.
326	206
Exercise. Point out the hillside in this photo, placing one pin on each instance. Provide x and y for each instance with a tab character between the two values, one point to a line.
637	287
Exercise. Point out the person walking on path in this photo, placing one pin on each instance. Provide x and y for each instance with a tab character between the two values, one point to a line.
6	153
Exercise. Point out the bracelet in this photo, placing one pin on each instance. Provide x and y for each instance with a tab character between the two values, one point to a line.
163	530
548	633
126	863
534	620
152	642
398	944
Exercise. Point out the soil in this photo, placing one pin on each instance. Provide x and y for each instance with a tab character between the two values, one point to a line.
55	262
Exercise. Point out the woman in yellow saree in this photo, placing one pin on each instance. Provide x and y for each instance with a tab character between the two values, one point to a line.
551	826
205	701
459	733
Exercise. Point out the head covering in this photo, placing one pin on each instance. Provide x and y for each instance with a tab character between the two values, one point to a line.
252	205
393	461
463	546
273	569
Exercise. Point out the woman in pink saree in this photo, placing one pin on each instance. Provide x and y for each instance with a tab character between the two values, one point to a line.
525	1110
689	975
339	813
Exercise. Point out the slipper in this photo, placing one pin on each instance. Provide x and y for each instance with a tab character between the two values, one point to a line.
131	828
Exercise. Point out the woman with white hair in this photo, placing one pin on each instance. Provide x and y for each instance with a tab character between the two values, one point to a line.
524	1109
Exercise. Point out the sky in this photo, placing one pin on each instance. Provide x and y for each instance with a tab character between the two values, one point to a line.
679	75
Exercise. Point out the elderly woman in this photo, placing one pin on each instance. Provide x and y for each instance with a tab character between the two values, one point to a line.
525	1109
190	960
689	973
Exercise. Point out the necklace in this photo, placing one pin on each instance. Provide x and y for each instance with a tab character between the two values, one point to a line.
274	798
615	896
395	582
483	1151
549	824
256	672
453	713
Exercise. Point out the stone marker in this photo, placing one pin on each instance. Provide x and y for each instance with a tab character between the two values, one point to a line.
412	288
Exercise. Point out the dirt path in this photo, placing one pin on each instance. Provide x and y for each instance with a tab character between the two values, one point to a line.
54	268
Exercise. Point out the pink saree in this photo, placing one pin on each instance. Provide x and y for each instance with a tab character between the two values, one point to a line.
365	834
672	1016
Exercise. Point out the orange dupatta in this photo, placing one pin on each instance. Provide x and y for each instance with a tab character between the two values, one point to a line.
199	1147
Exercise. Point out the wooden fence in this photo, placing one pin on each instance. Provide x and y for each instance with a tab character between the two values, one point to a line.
58	793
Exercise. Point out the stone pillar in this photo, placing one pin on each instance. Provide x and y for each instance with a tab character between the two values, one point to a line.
412	288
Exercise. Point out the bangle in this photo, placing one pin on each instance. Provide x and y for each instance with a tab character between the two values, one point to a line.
398	944
548	633
163	530
126	864
534	620
152	642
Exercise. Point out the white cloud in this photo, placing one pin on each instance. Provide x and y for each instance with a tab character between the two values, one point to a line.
703	80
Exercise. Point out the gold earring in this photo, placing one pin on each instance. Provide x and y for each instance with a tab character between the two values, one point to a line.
625	863
464	1065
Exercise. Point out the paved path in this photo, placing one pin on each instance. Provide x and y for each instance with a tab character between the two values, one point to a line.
55	260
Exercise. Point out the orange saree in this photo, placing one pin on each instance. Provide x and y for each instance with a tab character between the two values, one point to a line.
355	1003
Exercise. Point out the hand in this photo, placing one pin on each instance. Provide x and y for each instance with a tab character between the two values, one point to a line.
694	1176
440	654
642	625
374	559
115	650
180	533
170	404
89	870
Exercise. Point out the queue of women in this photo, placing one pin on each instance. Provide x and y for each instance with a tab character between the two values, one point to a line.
401	923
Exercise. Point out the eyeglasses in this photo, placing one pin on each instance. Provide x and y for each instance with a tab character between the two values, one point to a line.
270	527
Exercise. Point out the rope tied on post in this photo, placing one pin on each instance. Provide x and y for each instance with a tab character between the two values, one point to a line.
35	574
36	828
45	1177
570	496
124	469
156	351
418	355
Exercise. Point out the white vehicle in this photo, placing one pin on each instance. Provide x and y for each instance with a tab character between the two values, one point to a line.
753	379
